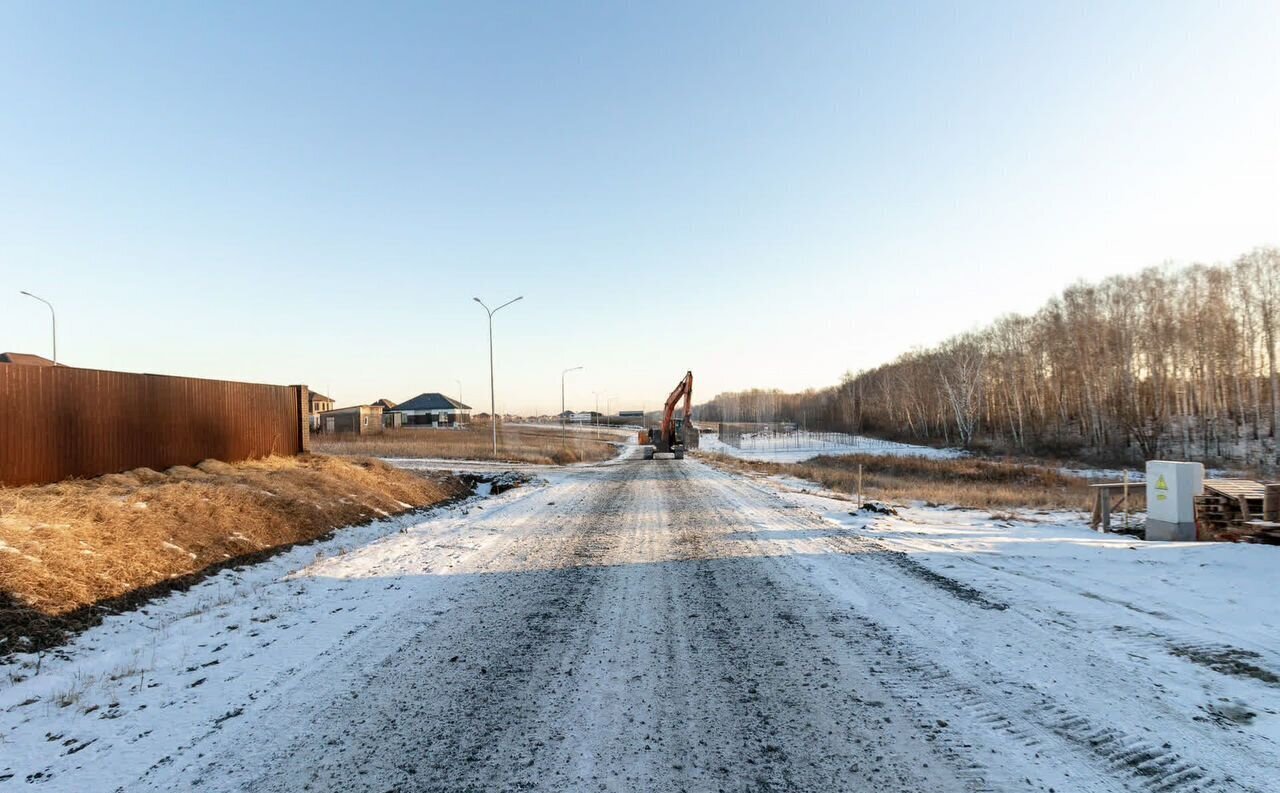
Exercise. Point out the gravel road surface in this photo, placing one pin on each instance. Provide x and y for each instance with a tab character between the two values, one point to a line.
637	625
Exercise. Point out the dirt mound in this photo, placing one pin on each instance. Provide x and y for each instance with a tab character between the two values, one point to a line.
183	472
216	468
147	476
74	550
878	508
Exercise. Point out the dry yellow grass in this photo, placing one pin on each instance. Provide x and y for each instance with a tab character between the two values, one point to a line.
515	444
68	548
966	482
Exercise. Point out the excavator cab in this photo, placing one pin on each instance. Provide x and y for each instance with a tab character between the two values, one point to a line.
674	445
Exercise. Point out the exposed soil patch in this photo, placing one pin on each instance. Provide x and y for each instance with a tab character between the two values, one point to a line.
957	589
1227	661
493	484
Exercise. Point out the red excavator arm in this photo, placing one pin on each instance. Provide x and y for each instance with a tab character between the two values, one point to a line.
683	390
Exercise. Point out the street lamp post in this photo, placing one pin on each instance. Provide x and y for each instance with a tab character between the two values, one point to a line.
597	415
54	317
563	438
576	369
459	382
493	413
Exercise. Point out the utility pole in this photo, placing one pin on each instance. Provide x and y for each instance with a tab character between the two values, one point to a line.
564	438
597	415
53	317
493	413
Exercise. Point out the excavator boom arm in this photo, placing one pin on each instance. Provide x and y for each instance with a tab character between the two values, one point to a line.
683	390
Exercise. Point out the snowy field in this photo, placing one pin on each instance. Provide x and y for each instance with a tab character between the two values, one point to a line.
797	446
669	626
1175	599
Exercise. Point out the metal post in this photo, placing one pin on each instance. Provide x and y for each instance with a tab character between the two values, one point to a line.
53	316
493	411
564	440
1126	499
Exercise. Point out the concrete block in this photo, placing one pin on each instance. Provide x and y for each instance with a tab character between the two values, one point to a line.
1164	531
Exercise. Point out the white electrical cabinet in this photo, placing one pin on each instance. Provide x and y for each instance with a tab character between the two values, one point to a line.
1171	491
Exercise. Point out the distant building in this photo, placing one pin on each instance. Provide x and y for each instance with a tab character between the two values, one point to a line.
390	419
359	419
433	410
25	359
319	404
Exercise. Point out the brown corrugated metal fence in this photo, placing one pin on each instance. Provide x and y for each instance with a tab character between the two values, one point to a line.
62	422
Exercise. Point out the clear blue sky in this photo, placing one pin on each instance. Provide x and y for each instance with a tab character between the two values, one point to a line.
768	194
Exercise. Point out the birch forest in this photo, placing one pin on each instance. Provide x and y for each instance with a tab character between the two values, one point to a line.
1170	362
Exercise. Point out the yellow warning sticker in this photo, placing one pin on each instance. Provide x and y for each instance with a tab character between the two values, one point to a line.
1161	484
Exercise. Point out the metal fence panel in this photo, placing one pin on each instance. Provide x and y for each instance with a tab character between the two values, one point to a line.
60	422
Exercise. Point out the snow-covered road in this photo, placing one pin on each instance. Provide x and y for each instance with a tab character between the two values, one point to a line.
665	625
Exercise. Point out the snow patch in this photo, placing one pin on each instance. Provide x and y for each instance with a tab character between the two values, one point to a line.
798	446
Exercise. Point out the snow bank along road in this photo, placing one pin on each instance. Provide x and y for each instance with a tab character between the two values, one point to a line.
666	626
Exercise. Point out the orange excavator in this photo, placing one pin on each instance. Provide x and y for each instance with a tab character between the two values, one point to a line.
675	434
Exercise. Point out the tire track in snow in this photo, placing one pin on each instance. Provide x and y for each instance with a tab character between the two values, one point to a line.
1040	725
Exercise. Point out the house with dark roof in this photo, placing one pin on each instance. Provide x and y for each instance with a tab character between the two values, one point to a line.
319	404
433	410
25	359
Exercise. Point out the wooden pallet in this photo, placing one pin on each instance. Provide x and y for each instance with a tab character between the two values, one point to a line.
1236	509
1265	531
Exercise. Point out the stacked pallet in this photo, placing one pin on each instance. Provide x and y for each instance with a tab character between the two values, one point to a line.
1238	510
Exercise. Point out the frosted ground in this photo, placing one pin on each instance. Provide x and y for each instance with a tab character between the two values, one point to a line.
665	625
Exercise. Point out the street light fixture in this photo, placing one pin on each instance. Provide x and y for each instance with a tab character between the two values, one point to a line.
563	438
54	317
493	413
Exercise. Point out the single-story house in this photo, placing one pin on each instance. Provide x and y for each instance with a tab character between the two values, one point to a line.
433	410
319	404
25	359
359	419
